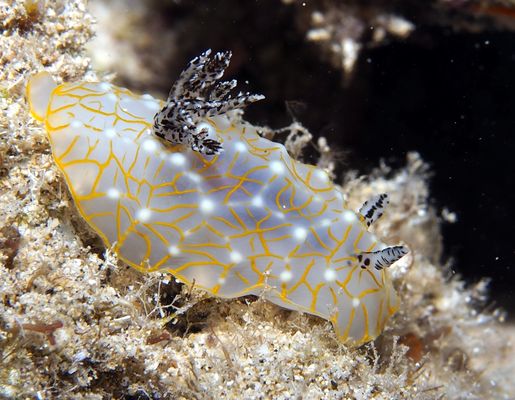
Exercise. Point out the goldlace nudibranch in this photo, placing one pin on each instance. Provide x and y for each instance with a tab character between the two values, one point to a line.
185	187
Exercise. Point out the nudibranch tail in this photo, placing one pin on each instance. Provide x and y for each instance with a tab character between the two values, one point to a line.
39	89
245	220
195	96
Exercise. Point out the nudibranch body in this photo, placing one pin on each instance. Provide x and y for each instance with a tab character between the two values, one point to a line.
179	186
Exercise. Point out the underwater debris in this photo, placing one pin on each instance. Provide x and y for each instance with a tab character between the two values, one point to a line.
344	30
46	329
10	239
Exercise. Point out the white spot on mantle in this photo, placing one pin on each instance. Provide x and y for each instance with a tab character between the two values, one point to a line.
330	275
240	146
150	145
300	234
113	193
286	276
110	133
235	257
143	215
277	167
173	250
257	201
178	159
207	206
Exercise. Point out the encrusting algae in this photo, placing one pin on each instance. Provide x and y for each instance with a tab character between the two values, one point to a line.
77	323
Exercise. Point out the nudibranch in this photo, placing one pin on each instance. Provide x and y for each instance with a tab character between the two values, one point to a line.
186	187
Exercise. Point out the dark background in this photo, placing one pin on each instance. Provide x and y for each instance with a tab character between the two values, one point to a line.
448	95
454	102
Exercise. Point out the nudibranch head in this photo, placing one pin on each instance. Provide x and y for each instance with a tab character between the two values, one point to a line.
151	179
